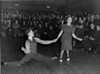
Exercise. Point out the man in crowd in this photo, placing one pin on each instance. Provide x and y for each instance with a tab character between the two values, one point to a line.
16	29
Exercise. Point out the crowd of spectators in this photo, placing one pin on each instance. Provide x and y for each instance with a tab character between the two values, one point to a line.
14	23
47	25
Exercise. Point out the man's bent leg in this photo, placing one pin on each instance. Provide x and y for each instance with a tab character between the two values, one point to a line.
39	57
26	58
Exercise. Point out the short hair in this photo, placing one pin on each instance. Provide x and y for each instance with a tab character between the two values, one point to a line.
27	31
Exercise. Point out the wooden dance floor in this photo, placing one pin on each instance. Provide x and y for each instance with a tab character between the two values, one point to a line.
80	63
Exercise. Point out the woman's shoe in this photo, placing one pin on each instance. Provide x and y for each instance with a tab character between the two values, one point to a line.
61	60
68	59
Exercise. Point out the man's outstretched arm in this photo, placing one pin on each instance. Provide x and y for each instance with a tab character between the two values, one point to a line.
45	41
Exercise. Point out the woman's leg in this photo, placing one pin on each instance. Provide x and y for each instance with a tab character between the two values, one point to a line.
69	47
67	51
68	56
61	54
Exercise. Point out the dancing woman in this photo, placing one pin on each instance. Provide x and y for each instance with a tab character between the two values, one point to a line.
67	32
30	49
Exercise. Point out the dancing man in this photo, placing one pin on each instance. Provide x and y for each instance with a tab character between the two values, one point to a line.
30	49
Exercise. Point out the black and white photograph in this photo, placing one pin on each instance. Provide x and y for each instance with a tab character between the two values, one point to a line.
50	36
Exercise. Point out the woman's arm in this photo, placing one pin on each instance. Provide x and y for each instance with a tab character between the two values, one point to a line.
76	37
60	34
73	30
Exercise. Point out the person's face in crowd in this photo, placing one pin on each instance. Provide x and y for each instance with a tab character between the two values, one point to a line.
41	22
92	17
57	17
11	15
7	16
20	17
75	18
31	23
25	17
35	24
31	33
72	17
61	17
50	27
46	24
1	14
5	22
9	21
39	25
53	16
69	20
24	22
86	13
98	16
28	22
89	18
50	17
1	21
92	26
29	17
84	19
16	21
80	19
98	27
14	15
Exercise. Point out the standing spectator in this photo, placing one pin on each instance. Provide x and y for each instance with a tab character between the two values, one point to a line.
16	29
9	30
23	28
4	26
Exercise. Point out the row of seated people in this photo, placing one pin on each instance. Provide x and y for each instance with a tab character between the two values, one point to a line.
16	25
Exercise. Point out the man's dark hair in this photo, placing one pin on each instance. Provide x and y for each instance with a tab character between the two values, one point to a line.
27	31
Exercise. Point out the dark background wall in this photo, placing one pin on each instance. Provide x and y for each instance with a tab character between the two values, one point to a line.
88	5
62	5
32	4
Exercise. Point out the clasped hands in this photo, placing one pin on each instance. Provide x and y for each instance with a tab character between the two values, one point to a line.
56	39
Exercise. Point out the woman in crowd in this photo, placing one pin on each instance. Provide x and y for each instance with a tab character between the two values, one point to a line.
30	49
